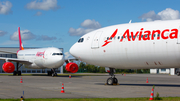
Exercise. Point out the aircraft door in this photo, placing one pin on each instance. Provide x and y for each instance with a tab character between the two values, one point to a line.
178	38
95	42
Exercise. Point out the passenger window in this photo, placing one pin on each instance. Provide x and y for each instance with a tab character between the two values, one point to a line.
118	37
107	38
134	36
154	35
122	37
145	36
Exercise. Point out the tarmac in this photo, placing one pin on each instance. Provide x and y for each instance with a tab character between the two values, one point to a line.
130	86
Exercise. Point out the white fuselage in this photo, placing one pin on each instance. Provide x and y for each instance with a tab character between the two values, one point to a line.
42	58
145	45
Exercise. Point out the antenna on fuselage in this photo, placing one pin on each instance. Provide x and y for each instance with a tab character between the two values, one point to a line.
130	21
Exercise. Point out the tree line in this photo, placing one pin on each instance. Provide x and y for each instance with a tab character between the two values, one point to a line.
87	68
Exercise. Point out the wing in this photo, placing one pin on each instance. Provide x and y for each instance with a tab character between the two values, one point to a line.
69	60
8	52
16	60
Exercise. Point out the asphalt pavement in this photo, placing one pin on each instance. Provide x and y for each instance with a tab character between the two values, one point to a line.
130	86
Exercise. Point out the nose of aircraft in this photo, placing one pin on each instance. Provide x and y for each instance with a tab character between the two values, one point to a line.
73	50
59	60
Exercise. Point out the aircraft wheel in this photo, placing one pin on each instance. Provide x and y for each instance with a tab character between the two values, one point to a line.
19	73
115	80
110	81
178	74
49	73
53	75
14	73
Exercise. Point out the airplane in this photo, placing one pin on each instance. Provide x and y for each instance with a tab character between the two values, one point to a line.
40	58
142	45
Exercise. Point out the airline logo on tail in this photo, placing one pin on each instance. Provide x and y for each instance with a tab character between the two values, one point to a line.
145	35
20	41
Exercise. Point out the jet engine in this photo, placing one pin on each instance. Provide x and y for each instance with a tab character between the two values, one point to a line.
8	67
72	67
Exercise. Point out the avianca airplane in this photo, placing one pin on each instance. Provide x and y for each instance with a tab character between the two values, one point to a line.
142	45
41	58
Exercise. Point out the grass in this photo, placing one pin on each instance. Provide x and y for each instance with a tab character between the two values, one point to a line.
96	99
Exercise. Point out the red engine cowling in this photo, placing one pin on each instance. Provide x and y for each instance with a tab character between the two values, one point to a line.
8	67
72	67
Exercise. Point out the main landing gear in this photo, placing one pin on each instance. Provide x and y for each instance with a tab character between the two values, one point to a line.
17	72
112	80
52	73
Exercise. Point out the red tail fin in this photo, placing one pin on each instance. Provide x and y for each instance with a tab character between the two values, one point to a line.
20	42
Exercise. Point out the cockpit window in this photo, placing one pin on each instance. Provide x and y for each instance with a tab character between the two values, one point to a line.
80	40
57	54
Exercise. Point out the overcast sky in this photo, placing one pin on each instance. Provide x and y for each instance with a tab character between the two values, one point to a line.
60	23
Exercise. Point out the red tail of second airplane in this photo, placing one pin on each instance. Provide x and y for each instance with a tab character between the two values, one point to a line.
20	41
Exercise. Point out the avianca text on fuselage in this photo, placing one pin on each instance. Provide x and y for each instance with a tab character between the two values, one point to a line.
145	35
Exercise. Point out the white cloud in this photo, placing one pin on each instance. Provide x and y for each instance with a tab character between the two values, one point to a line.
38	14
43	5
46	38
25	35
79	31
90	24
86	26
167	14
2	33
5	7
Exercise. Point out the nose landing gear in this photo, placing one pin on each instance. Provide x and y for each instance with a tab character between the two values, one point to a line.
52	73
112	80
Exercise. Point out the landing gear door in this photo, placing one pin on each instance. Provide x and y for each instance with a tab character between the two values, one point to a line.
178	38
95	41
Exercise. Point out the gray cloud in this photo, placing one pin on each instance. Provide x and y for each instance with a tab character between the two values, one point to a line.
86	26
5	7
2	33
91	24
43	5
167	14
46	38
25	35
38	14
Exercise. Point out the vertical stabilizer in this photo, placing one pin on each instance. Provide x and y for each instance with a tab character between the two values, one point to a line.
20	41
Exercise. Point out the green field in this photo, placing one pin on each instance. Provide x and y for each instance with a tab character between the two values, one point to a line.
98	99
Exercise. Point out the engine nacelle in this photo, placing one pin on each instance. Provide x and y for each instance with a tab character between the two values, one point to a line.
8	67
72	67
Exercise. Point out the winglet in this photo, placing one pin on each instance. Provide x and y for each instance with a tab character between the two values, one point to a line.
20	42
